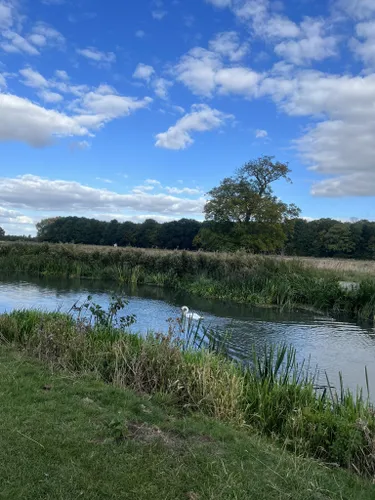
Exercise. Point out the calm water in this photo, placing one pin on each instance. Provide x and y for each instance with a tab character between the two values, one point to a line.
331	345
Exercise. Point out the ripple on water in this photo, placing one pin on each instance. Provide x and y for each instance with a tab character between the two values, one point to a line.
331	345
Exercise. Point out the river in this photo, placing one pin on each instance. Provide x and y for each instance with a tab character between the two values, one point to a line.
328	344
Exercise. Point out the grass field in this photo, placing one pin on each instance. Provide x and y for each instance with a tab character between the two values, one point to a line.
345	267
65	437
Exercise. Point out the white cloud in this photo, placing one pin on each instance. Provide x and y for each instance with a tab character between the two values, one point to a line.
53	2
22	120
14	218
45	35
261	134
311	45
106	181
237	80
6	15
143	72
97	56
228	44
365	50
201	119
152	182
220	3
197	70
31	192
33	78
103	104
61	74
140	34
204	73
341	145
50	97
175	190
79	145
159	14
161	87
14	43
25	121
358	9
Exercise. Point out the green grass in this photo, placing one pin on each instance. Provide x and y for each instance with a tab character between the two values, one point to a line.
267	281
272	395
66	437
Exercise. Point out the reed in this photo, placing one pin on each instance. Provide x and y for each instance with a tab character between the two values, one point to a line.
270	281
270	393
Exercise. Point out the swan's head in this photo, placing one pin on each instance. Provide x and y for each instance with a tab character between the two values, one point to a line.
184	309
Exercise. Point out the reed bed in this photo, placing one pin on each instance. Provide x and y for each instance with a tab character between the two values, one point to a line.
270	393
266	281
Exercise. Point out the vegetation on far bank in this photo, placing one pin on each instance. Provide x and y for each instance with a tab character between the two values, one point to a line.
270	394
64	436
241	277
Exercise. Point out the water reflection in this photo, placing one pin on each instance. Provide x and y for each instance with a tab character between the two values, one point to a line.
331	345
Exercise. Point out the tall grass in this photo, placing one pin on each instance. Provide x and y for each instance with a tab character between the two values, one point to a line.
271	394
239	277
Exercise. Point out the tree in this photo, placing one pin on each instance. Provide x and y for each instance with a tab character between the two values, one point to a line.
261	221
2	233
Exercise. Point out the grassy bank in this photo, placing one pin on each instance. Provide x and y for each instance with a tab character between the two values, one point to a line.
67	436
271	396
239	277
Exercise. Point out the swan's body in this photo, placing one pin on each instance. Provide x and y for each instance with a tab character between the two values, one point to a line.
190	315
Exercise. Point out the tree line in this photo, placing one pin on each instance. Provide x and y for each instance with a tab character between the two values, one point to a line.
316	238
242	213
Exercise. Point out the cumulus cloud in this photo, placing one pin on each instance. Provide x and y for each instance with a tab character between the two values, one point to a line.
35	193
228	45
25	121
220	3
33	78
13	222
365	47
186	190
204	73
50	97
45	35
6	15
61	74
358	9
312	44
341	143
97	56
143	72
13	42
201	119
261	134
161	87
159	14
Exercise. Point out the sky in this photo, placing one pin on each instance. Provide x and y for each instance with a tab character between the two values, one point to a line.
133	110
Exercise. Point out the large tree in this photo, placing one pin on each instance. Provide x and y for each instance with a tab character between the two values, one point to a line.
260	221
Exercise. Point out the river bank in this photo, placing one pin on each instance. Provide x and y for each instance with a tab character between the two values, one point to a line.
243	278
273	395
65	436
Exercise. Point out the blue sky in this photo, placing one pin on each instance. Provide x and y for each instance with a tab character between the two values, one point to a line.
132	110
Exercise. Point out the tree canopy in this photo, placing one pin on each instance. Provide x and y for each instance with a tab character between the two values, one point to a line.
257	219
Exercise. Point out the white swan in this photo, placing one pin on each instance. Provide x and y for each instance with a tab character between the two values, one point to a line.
190	315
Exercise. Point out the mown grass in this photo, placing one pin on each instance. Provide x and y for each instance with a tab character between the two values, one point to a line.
64	436
240	277
271	395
